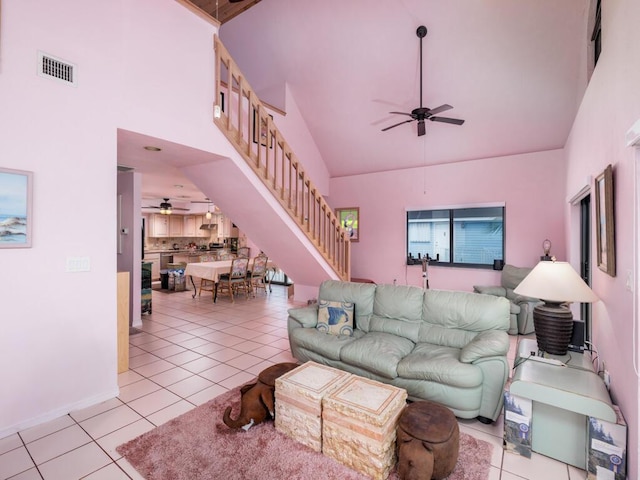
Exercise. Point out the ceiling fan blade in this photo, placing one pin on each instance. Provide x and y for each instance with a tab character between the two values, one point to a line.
402	113
421	128
455	121
392	126
439	109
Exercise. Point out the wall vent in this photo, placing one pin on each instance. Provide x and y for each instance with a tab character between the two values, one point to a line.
61	70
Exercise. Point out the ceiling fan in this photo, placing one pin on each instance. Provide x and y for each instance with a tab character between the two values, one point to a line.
422	113
166	208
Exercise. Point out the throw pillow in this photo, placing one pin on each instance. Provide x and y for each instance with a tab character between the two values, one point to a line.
335	318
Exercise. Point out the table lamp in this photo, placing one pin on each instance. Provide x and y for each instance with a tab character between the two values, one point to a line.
556	284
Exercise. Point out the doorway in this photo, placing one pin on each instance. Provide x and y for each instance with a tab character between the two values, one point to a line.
585	260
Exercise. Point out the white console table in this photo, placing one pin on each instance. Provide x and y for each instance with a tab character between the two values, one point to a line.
562	398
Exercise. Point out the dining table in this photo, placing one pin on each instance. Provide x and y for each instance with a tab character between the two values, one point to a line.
212	271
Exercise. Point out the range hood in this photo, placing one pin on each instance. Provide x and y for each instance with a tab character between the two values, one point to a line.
209	226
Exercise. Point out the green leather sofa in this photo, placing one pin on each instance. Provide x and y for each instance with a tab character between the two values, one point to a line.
444	346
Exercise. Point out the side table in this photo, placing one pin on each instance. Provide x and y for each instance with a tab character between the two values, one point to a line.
562	399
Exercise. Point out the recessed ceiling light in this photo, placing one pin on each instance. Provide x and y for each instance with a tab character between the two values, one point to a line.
152	149
179	186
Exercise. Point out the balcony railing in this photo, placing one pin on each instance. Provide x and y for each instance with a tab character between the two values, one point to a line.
246	123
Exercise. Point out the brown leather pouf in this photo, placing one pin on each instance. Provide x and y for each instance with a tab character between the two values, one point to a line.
428	441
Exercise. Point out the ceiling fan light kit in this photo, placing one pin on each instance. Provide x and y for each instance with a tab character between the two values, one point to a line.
421	113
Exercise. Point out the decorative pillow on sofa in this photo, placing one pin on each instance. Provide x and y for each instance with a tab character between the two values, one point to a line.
335	318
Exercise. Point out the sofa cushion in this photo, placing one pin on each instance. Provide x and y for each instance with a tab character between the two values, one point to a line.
439	364
328	346
398	302
453	318
335	318
512	276
377	352
360	294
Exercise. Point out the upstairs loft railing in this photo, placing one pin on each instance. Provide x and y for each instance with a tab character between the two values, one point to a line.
245	122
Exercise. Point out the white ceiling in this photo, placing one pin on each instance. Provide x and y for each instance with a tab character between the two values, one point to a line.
514	70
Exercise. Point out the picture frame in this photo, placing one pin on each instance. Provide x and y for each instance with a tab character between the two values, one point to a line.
16	207
263	130
350	220
605	228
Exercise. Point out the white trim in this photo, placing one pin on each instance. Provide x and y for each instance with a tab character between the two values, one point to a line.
582	193
59	412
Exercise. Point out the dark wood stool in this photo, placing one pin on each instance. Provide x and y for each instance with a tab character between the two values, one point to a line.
428	441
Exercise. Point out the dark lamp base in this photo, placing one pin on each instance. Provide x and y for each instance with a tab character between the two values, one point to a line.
553	323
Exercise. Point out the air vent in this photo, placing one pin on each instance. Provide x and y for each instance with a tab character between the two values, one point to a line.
52	67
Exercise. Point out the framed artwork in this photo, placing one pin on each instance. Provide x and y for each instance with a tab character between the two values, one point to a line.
350	220
605	231
16	220
263	131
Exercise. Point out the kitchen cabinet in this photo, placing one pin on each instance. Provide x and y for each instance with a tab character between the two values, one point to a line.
224	226
159	225
190	222
176	223
154	258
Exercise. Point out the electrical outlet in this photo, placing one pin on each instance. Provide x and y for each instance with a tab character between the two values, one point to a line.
607	379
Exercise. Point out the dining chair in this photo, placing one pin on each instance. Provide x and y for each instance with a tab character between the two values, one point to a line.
244	251
255	277
206	285
236	279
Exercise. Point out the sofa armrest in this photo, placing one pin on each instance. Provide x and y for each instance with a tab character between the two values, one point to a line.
306	316
485	344
494	290
518	299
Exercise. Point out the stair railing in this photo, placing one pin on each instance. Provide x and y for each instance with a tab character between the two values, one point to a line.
245	121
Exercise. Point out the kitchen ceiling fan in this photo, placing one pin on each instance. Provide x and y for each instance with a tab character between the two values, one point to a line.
166	208
421	113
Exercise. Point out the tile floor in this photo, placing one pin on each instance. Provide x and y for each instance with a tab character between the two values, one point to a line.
190	351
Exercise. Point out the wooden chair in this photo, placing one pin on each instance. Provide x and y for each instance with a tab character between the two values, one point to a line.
255	278
244	251
206	285
236	279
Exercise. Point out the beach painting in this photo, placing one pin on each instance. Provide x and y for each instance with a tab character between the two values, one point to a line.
15	208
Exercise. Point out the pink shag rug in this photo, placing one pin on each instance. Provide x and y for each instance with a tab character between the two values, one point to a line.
198	445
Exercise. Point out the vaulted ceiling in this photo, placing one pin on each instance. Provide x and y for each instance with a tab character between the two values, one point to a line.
515	71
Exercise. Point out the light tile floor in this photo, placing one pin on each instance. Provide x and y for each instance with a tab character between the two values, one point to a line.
190	351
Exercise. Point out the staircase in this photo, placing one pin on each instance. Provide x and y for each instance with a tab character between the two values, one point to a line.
279	201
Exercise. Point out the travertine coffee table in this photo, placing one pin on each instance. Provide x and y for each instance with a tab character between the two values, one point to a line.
299	396
359	425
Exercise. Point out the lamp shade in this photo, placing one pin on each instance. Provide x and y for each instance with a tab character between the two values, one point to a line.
555	282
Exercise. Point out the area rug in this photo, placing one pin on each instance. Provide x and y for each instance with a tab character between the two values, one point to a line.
198	445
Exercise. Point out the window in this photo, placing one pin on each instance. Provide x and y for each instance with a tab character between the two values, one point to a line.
465	237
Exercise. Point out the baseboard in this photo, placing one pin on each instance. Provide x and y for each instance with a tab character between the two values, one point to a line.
58	412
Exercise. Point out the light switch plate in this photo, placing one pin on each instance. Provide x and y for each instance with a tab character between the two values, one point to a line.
78	264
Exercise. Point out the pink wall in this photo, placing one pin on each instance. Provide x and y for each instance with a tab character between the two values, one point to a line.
58	342
610	106
530	185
